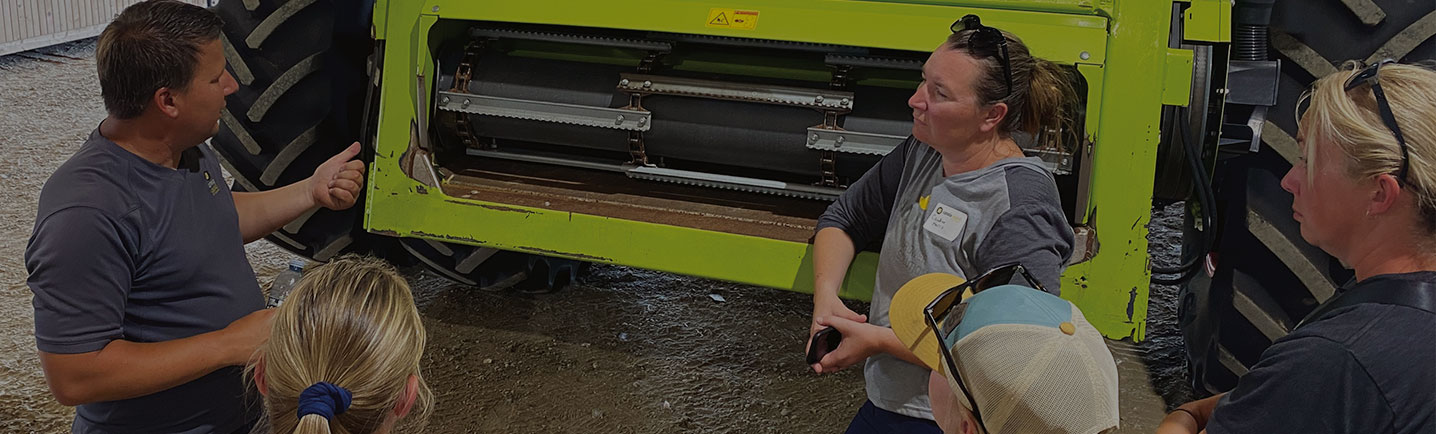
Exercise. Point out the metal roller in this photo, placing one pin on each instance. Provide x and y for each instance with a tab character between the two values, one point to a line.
720	130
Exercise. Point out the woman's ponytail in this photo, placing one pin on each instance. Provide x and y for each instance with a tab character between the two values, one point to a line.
1050	98
1042	96
312	424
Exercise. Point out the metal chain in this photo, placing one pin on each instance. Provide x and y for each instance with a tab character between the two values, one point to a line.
638	154
463	128
828	160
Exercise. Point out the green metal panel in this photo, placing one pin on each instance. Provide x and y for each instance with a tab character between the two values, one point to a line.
1208	21
381	19
1111	289
1177	86
844	22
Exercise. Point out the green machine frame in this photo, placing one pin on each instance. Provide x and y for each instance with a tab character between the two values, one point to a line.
1118	46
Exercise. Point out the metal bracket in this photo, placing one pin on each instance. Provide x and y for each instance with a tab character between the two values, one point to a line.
1253	82
588	116
852	142
1048	147
1256	122
820	99
1086	246
1208	21
1177	80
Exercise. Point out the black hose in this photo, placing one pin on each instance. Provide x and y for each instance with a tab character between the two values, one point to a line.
1249	42
1206	197
1249	33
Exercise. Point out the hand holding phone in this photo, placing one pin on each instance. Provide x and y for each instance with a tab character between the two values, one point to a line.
824	342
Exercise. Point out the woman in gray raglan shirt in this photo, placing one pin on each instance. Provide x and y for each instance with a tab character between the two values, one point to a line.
957	197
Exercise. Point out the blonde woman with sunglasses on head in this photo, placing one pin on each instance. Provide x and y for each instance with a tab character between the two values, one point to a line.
344	354
1364	192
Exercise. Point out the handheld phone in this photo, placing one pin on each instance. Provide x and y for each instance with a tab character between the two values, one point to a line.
824	342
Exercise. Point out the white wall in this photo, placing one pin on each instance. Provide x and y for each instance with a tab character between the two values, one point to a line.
31	24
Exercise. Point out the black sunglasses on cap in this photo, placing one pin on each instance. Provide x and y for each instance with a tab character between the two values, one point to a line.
1370	75
987	42
946	312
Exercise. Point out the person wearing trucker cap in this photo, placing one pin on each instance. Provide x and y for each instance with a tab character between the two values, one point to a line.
1006	359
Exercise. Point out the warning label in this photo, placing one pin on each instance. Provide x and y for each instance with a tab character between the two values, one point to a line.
732	19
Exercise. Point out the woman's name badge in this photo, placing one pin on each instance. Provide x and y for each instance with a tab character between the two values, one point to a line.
945	222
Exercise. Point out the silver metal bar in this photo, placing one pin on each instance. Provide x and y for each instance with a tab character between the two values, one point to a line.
574	39
821	99
546	160
738	183
852	142
588	116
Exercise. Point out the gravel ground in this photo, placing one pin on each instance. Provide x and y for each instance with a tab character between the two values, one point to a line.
625	350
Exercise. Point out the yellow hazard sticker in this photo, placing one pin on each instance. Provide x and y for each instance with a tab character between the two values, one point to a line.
732	19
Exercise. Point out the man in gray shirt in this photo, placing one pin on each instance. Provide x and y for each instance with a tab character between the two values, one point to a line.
145	303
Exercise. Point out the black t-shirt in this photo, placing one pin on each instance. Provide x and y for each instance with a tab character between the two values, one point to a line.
1367	368
127	249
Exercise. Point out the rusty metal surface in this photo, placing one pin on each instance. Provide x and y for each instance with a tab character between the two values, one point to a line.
614	195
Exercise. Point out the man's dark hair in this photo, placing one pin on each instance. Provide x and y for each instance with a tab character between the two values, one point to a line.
151	45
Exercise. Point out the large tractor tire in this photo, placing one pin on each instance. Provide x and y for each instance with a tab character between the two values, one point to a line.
302	67
1262	278
300	101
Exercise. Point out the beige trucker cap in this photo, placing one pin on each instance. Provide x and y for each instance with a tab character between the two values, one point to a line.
1031	360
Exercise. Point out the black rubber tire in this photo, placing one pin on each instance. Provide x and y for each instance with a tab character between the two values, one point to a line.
300	102
301	65
495	270
1266	278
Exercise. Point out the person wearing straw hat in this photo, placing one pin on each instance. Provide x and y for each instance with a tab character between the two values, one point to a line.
1006	358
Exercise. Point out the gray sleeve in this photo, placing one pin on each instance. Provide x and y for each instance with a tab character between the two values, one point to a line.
1035	235
863	210
80	273
1305	385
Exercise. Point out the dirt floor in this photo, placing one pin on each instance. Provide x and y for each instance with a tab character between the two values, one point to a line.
624	351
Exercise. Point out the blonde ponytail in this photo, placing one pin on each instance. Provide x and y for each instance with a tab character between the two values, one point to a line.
350	332
312	424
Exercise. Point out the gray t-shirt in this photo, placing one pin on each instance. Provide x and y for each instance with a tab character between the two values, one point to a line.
127	249
1367	368
1012	213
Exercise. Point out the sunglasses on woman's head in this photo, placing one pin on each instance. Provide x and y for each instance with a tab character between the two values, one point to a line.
1370	75
986	42
946	312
